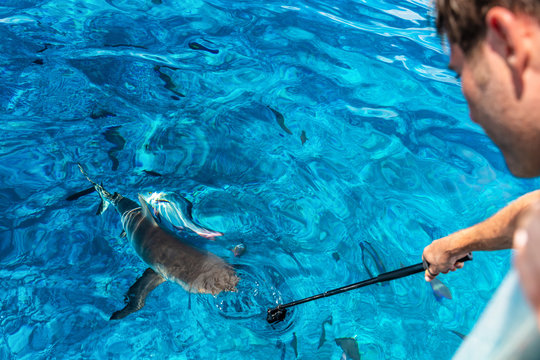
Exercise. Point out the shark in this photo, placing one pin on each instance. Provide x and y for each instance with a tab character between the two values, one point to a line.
167	256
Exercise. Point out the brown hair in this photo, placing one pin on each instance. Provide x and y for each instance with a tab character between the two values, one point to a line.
464	21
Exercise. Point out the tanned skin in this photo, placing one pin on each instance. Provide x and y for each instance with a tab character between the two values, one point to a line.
495	233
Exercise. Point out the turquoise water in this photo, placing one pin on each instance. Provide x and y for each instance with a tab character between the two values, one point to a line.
299	129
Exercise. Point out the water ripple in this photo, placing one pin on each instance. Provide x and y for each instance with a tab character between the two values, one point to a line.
379	148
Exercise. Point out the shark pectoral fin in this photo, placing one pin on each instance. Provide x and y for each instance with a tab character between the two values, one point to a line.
138	292
145	210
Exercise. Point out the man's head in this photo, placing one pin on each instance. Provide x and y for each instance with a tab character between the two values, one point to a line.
495	48
464	21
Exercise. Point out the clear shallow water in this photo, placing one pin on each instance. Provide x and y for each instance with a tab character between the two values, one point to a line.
390	158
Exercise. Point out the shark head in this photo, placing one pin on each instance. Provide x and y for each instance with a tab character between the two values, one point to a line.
215	277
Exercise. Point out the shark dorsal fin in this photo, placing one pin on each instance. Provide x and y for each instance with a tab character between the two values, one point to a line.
145	210
187	207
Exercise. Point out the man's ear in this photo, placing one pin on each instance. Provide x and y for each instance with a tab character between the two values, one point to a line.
508	34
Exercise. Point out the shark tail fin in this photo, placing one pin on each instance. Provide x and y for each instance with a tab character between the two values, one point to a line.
106	197
103	205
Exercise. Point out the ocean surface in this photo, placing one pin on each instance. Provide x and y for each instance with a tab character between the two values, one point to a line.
327	137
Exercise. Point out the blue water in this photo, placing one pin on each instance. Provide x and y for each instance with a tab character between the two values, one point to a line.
389	158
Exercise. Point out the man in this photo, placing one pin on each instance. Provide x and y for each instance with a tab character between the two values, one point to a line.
495	49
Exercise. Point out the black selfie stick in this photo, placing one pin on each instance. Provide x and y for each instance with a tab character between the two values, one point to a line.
278	314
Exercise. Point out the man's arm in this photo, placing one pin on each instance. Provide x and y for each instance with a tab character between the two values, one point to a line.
495	233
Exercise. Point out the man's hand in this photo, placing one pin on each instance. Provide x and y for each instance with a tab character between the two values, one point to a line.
527	259
441	258
494	233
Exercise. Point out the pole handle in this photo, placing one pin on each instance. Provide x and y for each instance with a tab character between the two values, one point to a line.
467	257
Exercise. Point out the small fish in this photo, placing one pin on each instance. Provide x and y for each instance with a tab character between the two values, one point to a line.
280	345
169	84
349	347
114	160
368	252
157	2
322	339
45	48
197	46
280	120
295	259
127	45
113	136
440	290
459	334
336	256
38	62
294	344
101	114
152	173
239	250
80	193
303	137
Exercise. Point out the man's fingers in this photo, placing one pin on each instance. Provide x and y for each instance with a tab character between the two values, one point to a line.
428	276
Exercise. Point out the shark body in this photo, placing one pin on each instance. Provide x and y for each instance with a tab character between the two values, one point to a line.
168	257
